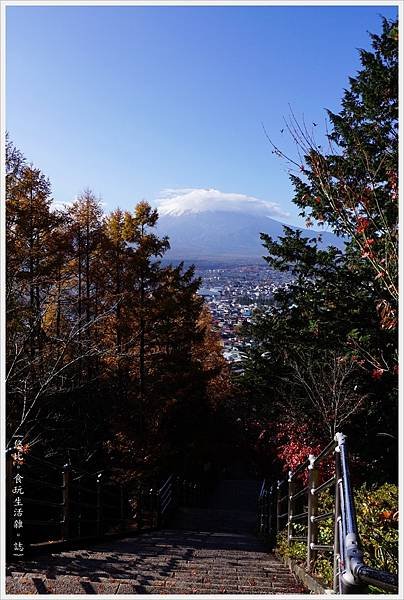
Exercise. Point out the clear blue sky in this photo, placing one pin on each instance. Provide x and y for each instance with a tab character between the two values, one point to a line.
132	100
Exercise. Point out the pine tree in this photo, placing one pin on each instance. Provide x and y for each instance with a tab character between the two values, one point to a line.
353	187
335	323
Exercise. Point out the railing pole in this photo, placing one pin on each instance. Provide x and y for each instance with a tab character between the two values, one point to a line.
122	508
291	491
271	516
199	496
66	474
312	508
337	524
139	507
152	504
278	507
79	507
263	513
268	511
99	504
158	510
353	555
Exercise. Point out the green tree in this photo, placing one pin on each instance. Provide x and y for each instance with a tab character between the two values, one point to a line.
327	347
353	187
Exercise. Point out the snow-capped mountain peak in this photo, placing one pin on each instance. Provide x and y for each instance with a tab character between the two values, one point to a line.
210	224
179	202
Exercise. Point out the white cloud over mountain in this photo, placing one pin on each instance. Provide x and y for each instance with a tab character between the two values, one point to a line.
177	202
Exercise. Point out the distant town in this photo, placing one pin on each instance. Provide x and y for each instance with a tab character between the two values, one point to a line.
233	293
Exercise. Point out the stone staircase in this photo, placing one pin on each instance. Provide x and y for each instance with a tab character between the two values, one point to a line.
210	550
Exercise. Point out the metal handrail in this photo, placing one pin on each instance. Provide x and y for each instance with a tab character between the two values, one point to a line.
329	449
357	575
299	469
351	574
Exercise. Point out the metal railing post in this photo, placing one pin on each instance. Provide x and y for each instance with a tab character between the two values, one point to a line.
268	512
79	507
139	507
263	512
270	515
291	491
337	525
152	505
66	474
353	555
278	507
99	504
158	510
122	508
312	509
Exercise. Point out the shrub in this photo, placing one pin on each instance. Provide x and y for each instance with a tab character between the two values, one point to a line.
377	511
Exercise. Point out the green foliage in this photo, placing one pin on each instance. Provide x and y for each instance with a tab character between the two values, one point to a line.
353	187
296	551
378	525
324	354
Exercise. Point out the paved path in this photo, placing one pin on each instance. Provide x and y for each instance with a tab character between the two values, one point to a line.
206	551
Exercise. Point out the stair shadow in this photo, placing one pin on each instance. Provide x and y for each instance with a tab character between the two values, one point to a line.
135	559
157	560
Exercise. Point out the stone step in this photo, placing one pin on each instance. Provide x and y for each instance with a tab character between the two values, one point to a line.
75	585
206	589
225	576
218	589
206	551
67	584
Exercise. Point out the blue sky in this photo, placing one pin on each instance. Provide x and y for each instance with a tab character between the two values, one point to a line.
130	101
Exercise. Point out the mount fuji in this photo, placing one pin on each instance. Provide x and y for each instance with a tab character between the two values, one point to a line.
206	224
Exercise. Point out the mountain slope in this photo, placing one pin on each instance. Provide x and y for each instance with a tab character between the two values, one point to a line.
223	235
